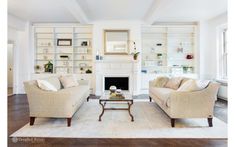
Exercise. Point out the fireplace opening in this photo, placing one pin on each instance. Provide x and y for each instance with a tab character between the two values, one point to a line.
119	82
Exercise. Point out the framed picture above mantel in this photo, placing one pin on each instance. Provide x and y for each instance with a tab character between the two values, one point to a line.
64	42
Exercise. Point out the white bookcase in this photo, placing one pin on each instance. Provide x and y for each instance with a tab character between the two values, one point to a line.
74	58
168	50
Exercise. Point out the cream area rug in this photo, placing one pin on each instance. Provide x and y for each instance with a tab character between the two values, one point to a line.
149	122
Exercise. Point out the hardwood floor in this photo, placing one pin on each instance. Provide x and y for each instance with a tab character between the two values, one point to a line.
18	116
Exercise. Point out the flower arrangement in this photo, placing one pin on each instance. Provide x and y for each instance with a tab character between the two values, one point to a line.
135	53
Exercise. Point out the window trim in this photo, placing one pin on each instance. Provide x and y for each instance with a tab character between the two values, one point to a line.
220	52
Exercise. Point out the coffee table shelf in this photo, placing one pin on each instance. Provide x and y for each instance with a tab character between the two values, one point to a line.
104	99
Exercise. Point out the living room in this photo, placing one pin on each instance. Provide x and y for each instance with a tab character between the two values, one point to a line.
74	66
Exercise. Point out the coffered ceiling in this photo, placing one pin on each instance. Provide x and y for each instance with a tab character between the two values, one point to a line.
87	11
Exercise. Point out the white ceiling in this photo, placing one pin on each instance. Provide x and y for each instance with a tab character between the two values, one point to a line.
40	10
86	11
115	9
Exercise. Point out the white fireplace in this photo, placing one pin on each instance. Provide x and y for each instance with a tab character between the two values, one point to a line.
117	69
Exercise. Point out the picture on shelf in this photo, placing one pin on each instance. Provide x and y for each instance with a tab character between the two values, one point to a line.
64	42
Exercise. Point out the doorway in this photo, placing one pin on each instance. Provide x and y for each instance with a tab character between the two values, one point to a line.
10	81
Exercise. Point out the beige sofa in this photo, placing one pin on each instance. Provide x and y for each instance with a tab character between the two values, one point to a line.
55	104
177	104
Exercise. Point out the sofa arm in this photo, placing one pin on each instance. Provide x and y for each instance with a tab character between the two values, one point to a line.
151	83
47	103
193	104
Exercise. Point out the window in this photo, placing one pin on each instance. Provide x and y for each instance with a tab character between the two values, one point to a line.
222	53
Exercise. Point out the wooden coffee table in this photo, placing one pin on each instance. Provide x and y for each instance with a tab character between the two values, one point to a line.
105	98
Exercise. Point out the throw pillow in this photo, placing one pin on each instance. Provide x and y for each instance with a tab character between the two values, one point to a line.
193	85
174	83
45	85
54	81
68	81
161	81
187	86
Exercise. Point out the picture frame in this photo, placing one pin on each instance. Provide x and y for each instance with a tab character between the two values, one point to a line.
64	42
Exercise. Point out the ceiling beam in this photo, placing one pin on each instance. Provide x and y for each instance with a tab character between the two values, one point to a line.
155	10
75	9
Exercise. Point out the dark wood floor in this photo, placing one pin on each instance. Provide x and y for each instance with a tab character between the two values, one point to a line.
18	113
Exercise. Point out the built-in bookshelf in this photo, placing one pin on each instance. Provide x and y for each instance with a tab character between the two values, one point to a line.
169	49
69	49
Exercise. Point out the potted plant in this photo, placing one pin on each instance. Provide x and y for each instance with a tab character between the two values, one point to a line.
135	53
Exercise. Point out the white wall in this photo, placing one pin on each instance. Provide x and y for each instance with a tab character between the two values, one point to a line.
134	28
19	32
208	45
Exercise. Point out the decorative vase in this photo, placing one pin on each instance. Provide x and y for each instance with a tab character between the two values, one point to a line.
189	57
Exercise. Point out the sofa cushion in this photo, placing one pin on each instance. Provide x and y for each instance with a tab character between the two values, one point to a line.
45	85
174	83
161	81
54	81
68	81
78	92
193	85
162	94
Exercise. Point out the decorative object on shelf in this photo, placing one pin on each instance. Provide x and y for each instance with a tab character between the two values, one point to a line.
48	67
37	68
152	50
64	56
159	44
82	66
84	43
159	55
159	63
64	42
112	89
180	49
97	57
189	56
144	71
88	71
187	69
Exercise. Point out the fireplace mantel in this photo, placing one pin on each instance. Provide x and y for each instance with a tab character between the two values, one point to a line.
117	68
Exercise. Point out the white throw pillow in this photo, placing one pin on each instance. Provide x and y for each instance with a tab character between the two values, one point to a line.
193	85
45	85
68	81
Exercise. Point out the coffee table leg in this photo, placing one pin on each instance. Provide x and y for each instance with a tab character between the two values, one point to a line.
129	110
102	110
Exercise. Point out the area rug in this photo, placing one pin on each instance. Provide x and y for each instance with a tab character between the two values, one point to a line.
149	122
